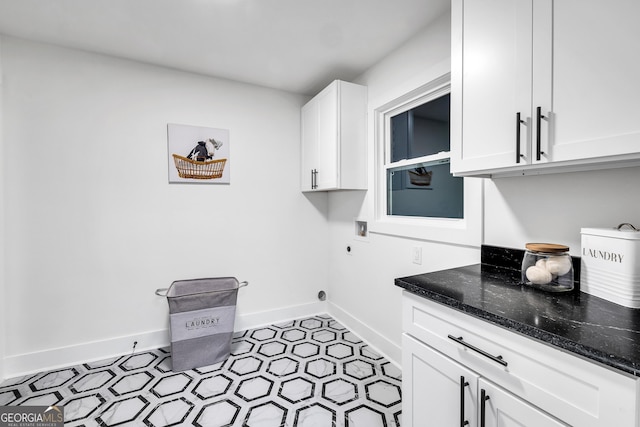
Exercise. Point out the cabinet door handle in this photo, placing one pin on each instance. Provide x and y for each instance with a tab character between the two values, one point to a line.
463	384
539	117
314	179
461	341
519	122
483	409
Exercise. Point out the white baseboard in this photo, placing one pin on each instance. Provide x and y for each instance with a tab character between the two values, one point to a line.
391	351
55	358
264	318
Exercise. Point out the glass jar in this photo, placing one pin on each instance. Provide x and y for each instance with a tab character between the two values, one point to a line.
547	266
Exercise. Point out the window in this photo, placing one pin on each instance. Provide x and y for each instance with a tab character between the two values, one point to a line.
415	194
418	179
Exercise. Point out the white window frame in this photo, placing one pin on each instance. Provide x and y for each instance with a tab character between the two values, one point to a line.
466	231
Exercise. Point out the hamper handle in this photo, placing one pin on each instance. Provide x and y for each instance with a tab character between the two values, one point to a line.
162	292
626	223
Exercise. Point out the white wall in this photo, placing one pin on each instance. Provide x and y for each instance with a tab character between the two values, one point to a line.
553	208
94	227
361	283
3	298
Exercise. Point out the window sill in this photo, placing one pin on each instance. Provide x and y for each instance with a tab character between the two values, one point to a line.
464	232
458	235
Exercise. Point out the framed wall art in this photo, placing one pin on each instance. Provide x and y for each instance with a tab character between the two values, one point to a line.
198	154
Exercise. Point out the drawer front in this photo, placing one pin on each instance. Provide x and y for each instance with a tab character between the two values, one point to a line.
579	392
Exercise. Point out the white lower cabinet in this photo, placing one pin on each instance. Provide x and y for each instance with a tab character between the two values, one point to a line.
440	392
501	408
459	370
436	390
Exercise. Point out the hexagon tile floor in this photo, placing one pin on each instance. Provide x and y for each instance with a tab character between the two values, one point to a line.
310	372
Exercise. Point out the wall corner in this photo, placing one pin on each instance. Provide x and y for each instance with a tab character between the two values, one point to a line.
3	298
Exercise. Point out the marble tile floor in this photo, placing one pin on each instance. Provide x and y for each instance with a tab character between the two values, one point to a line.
311	372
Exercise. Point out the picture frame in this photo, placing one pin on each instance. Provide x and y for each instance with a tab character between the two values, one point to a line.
198	154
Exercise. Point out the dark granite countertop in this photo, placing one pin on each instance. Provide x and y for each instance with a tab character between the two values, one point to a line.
575	322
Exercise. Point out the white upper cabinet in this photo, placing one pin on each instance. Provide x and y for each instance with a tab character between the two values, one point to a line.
544	85
334	152
494	50
596	78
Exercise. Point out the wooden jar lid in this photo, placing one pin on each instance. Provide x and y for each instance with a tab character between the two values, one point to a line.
547	247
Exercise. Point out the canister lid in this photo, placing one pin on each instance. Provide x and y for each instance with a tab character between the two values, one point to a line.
547	247
623	231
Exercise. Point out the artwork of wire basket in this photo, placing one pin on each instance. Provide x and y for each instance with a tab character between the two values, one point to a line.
208	169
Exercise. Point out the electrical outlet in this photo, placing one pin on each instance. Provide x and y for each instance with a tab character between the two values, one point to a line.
416	255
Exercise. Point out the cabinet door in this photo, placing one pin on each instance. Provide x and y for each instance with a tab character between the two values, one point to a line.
327	176
596	69
502	409
492	42
309	146
437	391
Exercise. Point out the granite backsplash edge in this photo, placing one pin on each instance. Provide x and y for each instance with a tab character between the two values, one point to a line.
509	260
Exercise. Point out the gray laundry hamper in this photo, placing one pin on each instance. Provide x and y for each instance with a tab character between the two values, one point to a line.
201	317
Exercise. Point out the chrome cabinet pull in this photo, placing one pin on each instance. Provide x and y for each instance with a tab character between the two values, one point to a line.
463	384
519	122
539	118
461	341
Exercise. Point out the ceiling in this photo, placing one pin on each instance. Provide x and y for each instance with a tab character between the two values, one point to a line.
293	45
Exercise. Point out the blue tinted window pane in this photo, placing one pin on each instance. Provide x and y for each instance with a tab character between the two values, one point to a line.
421	131
425	190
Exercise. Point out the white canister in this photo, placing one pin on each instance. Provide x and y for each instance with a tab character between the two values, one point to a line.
610	264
